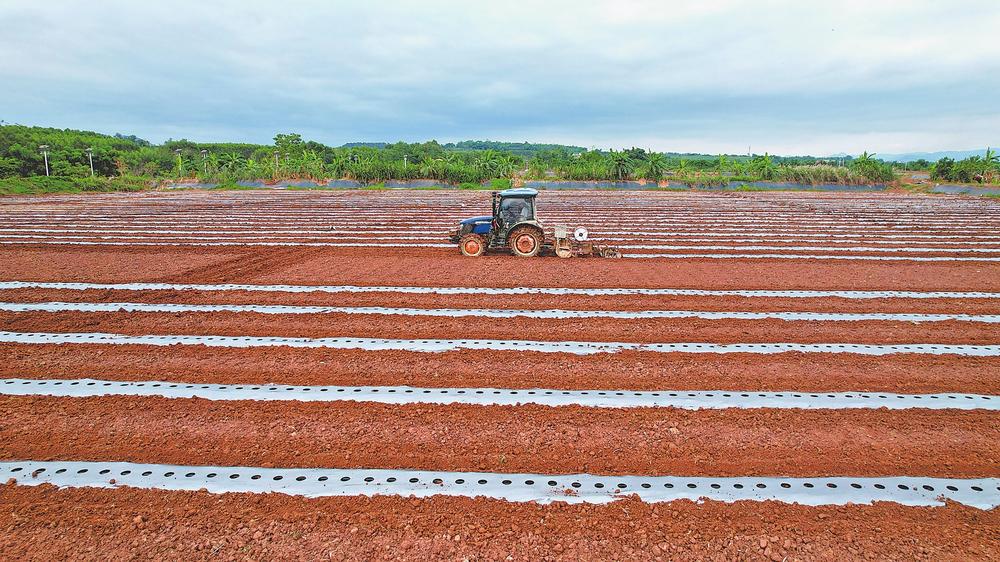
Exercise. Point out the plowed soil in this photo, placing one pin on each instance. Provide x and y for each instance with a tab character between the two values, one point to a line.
534	329
437	267
808	372
514	302
45	523
524	438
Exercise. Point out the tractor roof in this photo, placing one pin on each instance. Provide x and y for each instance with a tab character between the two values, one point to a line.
519	192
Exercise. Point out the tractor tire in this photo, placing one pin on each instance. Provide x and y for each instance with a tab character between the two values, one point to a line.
525	242
472	245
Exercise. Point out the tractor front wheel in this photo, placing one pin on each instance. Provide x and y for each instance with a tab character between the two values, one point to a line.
472	245
526	242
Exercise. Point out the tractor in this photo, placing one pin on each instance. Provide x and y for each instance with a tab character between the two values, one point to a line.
514	226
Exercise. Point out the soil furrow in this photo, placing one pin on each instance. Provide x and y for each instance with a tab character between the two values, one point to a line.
466	368
429	267
71	523
523	302
504	438
420	327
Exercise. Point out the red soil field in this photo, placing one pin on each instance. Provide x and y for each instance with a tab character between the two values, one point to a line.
46	523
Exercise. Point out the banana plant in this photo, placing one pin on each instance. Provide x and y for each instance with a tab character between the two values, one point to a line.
656	165
763	167
990	159
620	165
723	163
252	169
230	163
312	164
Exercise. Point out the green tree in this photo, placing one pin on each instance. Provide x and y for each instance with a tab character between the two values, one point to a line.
655	166
9	167
990	159
288	143
230	163
871	169
722	163
620	165
763	167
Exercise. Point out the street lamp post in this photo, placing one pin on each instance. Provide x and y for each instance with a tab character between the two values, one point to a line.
45	154
90	156
405	156
204	159
180	163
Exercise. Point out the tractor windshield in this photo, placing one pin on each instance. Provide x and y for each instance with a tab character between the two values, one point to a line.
517	209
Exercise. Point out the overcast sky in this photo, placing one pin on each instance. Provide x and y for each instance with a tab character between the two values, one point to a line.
788	77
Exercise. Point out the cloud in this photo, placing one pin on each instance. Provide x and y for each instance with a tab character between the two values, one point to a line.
784	76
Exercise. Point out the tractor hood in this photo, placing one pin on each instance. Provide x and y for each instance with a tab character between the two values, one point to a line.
474	220
475	225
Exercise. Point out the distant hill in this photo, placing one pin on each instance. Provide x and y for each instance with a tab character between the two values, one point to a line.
365	145
930	156
526	150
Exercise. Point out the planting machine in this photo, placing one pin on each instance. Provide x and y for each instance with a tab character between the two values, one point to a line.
513	226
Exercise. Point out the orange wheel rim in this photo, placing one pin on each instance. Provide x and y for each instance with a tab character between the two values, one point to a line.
525	243
472	247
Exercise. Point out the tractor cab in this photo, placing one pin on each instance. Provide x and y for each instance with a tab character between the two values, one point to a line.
513	208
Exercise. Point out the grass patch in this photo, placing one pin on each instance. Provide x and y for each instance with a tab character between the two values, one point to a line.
745	187
380	186
37	185
230	185
704	181
914	188
469	185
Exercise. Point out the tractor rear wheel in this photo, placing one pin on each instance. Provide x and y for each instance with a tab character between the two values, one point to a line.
526	242
472	245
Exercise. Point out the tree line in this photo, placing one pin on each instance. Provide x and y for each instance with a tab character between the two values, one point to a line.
468	162
974	169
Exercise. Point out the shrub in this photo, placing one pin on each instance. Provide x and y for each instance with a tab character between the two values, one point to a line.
57	184
230	185
500	184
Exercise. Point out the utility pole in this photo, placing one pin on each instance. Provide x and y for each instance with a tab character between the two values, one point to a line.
276	161
180	163
204	160
90	155
404	160
45	154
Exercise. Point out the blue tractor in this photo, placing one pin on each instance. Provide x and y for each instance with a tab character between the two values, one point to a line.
513	226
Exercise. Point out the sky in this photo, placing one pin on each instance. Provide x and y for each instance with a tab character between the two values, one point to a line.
713	76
